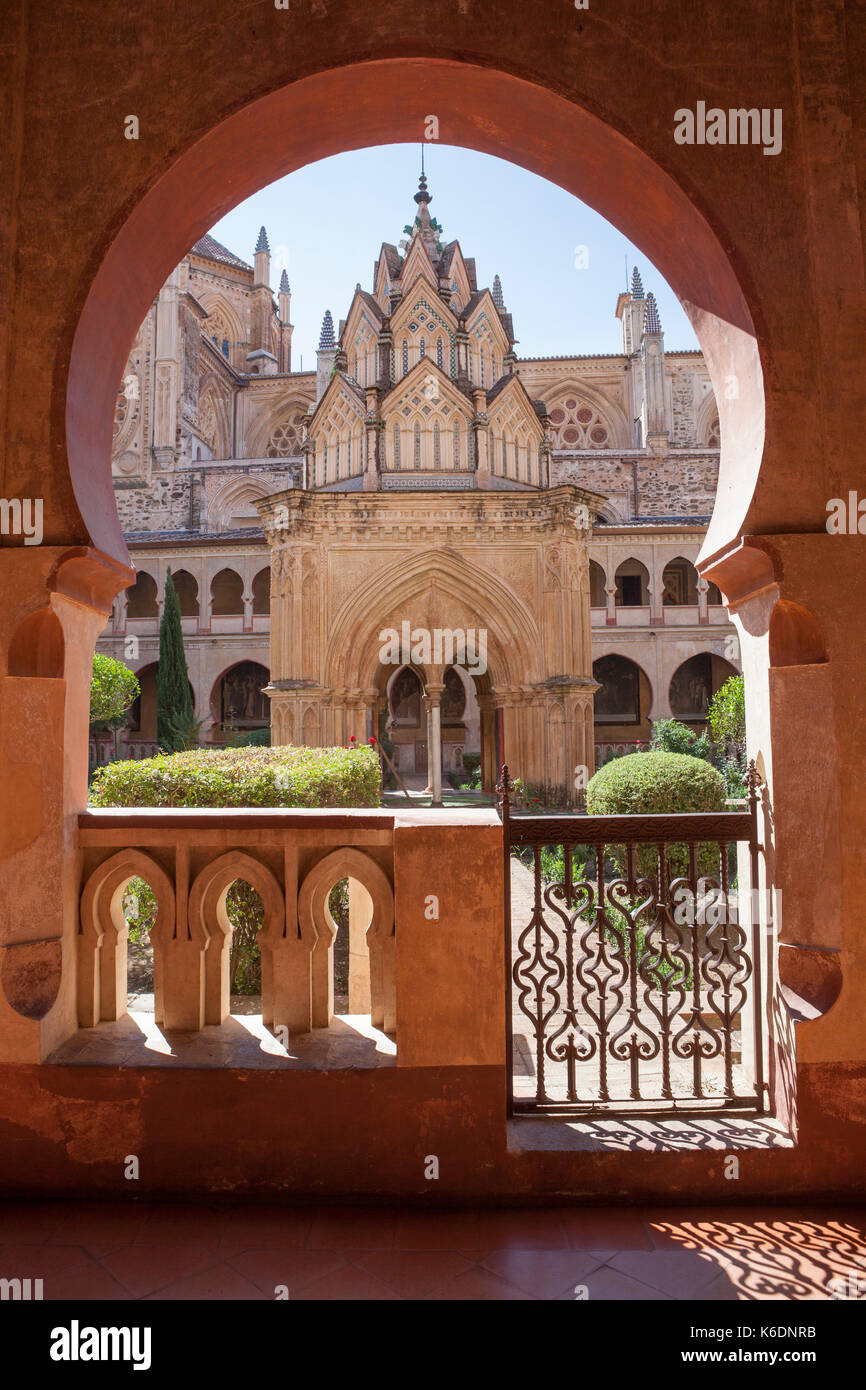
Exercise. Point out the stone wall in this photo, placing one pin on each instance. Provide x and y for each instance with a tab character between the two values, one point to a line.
680	484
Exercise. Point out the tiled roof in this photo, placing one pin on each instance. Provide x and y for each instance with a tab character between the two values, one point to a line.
213	250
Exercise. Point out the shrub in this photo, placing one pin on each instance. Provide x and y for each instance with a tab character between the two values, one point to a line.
670	736
472	763
255	738
727	714
282	776
657	783
113	688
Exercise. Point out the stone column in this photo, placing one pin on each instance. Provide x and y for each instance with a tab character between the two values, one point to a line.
703	608
434	751
489	770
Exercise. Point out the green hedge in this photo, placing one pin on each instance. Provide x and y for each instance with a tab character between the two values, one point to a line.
659	784
283	776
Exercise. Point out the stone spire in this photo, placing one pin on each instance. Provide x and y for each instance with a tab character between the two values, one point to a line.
327	341
636	285
497	294
262	260
424	223
651	322
285	287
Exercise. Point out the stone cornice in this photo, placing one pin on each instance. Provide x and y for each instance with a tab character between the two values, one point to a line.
406	517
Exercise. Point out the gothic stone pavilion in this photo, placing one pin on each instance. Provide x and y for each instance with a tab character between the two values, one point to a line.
423	480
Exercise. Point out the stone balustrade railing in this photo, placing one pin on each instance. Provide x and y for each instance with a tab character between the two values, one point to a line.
190	859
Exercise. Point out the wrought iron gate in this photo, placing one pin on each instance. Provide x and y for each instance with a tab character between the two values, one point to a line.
634	973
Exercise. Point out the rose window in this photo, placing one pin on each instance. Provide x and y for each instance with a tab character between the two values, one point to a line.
286	439
576	426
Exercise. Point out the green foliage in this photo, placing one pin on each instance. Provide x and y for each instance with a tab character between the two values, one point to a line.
670	736
282	776
113	688
185	730
727	714
658	783
139	908
255	738
245	910
174	710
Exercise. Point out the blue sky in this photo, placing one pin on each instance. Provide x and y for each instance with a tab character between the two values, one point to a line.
327	221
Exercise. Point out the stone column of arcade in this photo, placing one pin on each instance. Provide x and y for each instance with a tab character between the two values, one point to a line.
434	755
56	601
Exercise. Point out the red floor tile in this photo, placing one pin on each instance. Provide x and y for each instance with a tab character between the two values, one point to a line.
412	1273
605	1228
145	1269
544	1273
30	1223
478	1285
41	1261
102	1226
263	1227
217	1283
352	1228
85	1282
523	1230
349	1283
294	1268
608	1284
181	1224
677	1273
438	1230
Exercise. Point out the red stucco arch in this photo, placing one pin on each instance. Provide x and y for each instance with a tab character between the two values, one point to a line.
371	103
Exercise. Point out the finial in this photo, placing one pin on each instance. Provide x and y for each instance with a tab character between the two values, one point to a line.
504	787
651	322
327	340
422	196
285	287
262	243
497	294
636	285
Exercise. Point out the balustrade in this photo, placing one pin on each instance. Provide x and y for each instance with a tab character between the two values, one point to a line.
190	859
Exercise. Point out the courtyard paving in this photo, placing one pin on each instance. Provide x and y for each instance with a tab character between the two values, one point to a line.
124	1251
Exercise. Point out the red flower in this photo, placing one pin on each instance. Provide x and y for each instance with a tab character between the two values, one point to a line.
372	742
351	738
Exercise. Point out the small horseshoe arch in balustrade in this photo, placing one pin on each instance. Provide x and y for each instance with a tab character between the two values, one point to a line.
103	934
208	915
371	900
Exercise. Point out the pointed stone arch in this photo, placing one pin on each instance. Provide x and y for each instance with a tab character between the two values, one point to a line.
351	651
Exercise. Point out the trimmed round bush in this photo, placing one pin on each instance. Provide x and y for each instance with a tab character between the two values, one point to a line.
283	776
643	784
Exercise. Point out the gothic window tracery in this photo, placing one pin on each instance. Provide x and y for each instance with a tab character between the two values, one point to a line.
577	425
285	440
417	446
715	435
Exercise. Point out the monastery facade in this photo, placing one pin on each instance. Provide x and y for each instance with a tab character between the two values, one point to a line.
425	478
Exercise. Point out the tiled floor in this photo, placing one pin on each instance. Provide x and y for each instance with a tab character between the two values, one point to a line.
169	1251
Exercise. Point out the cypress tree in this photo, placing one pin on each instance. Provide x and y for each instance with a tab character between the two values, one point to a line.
173	698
